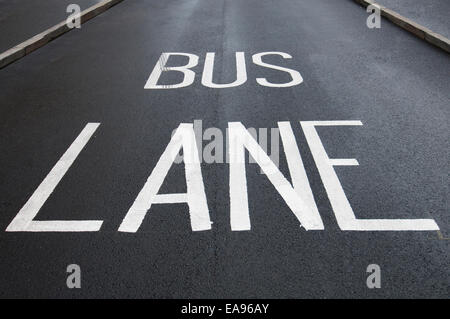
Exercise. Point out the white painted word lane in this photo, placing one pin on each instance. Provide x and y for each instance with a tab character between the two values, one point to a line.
298	196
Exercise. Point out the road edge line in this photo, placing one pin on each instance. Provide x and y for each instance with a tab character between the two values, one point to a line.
23	49
418	30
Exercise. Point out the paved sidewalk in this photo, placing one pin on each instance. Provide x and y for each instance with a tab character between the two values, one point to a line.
433	14
23	19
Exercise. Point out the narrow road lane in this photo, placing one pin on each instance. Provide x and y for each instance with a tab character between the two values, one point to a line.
396	85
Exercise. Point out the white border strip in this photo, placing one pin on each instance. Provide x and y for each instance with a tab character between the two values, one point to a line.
410	26
41	39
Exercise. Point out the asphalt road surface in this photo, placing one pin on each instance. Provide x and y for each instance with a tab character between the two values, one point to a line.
395	84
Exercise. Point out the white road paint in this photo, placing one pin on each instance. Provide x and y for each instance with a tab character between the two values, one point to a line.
296	77
298	196
195	197
343	211
189	75
240	138
23	222
208	71
297	171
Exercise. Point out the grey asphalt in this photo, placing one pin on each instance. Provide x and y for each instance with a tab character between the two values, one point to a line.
396	84
433	14
23	19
